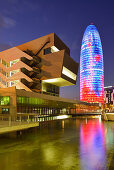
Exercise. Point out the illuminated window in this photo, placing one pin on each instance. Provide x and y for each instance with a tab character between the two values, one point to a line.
54	49
5	110
13	72
13	62
28	100
3	72
68	73
49	50
4	100
12	83
4	63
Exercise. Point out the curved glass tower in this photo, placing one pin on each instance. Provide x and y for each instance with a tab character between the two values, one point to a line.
91	67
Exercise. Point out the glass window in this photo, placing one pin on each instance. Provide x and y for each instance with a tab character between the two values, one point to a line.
4	100
47	51
4	63
19	100
12	83
13	72
29	100
5	110
13	62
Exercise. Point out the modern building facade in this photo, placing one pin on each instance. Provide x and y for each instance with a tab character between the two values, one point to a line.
21	102
91	67
31	75
42	65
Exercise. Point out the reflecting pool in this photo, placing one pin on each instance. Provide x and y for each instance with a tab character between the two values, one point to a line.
70	144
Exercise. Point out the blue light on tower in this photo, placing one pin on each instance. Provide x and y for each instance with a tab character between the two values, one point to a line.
91	67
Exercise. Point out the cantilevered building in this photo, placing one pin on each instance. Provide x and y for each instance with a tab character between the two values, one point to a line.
42	65
31	75
91	67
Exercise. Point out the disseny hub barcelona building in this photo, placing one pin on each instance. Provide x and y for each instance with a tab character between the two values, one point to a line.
31	75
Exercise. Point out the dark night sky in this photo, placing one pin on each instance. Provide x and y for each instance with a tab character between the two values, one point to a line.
25	20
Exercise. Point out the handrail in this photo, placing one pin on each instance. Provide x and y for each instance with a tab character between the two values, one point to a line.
8	120
47	41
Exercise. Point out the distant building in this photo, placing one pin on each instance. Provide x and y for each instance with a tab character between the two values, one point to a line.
91	67
109	94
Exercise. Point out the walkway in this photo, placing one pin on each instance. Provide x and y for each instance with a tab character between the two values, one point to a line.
11	124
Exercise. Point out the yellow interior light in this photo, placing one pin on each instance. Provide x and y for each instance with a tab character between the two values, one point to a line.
68	73
54	49
51	80
58	82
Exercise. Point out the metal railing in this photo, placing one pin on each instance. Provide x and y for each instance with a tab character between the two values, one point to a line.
7	120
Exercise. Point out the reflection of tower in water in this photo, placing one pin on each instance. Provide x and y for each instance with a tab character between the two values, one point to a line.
92	143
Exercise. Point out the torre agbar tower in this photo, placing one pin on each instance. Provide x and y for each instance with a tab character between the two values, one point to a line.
91	67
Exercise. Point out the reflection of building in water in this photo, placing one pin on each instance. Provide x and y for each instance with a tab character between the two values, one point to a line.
92	142
87	108
63	124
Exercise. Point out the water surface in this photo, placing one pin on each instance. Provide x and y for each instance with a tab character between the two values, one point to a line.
71	144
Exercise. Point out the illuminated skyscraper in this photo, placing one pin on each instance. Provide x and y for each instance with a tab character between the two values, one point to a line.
91	67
